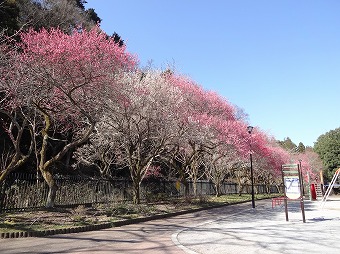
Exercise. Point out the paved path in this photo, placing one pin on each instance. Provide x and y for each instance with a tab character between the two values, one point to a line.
265	230
231	229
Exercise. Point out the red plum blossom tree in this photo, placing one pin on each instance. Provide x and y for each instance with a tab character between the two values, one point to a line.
60	82
209	124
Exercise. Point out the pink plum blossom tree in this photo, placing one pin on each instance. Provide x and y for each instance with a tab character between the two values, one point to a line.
209	122
61	81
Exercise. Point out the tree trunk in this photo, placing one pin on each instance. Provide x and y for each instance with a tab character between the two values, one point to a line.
194	186
279	190
185	183
50	202
2	194
186	188
18	157
240	189
218	189
45	164
136	192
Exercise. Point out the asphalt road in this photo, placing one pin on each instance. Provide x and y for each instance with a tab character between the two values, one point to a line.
230	229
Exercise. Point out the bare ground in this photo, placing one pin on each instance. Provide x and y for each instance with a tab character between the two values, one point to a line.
60	217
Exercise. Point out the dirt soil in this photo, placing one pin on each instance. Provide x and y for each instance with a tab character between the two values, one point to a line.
56	218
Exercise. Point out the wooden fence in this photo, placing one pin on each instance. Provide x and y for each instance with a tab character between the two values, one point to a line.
22	191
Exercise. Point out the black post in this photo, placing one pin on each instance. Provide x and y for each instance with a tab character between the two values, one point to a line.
250	128
252	181
301	194
301	177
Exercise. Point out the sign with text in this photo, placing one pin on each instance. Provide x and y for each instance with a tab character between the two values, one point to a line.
293	186
291	181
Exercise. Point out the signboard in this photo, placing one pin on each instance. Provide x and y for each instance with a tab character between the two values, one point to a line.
291	181
293	186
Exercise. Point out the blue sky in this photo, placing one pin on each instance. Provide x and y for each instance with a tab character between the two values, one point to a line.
279	60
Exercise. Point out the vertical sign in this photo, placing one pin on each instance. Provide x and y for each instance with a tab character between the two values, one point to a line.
291	181
293	187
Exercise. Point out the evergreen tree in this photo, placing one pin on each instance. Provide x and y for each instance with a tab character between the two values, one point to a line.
93	15
117	39
288	145
328	147
63	14
9	13
81	4
301	148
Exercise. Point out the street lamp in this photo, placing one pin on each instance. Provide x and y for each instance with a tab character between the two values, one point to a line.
250	129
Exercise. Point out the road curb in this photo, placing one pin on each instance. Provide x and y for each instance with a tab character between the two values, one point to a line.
42	233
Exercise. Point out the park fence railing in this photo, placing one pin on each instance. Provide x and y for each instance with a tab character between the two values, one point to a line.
29	191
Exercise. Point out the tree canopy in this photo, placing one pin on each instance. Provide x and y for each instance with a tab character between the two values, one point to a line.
55	86
288	144
328	147
9	12
62	14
